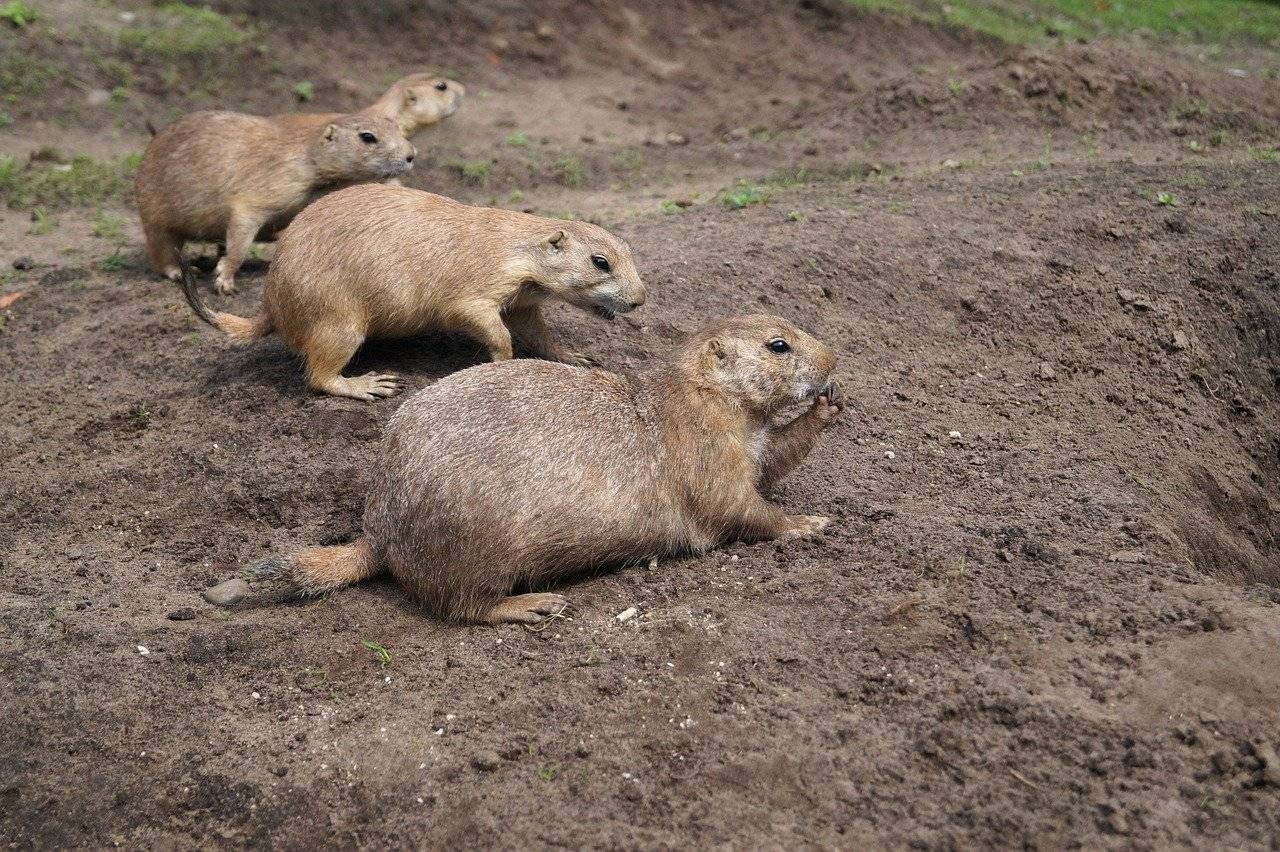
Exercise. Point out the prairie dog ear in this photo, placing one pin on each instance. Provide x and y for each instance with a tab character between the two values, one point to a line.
716	349
410	97
557	240
330	132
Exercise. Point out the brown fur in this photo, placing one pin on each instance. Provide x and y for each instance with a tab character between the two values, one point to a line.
227	176
514	475
384	261
413	102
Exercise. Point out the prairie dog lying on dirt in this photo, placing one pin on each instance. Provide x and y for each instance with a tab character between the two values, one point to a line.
386	261
224	175
513	475
413	103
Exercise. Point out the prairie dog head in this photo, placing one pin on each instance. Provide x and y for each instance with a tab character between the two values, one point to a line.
361	147
763	361
589	267
421	100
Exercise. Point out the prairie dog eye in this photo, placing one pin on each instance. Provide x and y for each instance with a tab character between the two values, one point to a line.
601	262
778	346
367	138
442	86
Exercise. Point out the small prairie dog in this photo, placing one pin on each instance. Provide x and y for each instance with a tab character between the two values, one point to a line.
414	103
507	477
386	261
227	176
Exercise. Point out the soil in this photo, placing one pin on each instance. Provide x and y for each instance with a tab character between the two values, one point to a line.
1045	615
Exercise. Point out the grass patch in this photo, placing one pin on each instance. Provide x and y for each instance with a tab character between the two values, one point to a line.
18	13
474	172
1022	21
304	91
805	175
85	181
631	159
181	31
383	655
570	172
109	227
43	223
21	76
519	139
744	194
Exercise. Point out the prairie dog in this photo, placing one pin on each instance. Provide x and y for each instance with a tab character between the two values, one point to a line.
225	175
414	103
387	261
509	476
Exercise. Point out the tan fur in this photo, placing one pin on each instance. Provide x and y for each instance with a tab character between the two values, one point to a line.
322	569
513	475
227	176
383	261
415	103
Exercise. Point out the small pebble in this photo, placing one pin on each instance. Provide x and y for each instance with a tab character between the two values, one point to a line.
142	649
627	614
888	454
23	262
485	761
185	613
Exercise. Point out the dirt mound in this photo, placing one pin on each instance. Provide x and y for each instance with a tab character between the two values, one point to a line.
1046	613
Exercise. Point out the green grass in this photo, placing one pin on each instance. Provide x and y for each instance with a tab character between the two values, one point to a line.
85	181
304	91
179	31
21	75
744	194
109	227
1021	21
18	13
383	655
519	139
475	172
570	172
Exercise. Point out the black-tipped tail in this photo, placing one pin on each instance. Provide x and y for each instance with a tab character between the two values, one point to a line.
189	290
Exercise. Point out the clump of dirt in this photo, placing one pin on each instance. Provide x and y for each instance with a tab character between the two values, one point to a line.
1046	612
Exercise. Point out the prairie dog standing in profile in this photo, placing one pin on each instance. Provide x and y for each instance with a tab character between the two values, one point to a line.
226	176
413	103
386	261
507	477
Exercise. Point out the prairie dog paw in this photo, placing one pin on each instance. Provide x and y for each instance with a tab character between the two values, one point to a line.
803	525
224	282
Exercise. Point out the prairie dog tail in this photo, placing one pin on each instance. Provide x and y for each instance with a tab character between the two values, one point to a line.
317	570
239	329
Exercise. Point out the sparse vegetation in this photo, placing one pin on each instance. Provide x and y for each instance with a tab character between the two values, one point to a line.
570	172
474	172
44	223
109	227
22	76
383	655
1264	155
304	91
744	194
114	262
1166	199
180	31
1199	21
84	181
18	13
631	159
519	139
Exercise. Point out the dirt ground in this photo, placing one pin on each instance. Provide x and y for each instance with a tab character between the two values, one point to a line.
1045	615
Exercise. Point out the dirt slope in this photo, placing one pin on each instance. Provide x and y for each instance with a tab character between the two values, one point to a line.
1045	615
